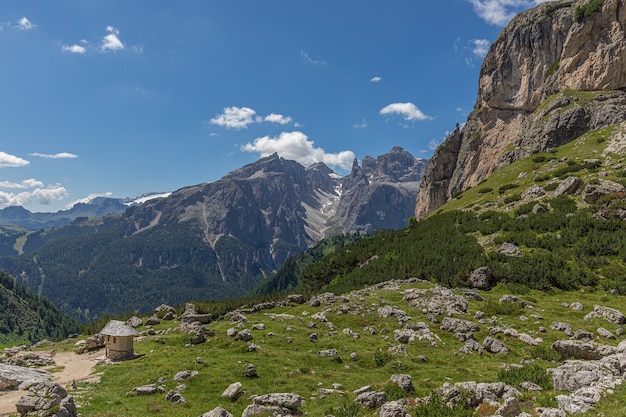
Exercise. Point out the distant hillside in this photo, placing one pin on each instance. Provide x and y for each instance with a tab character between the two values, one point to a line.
27	318
210	241
34	221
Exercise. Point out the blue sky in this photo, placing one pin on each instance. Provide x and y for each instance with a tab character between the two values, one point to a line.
121	98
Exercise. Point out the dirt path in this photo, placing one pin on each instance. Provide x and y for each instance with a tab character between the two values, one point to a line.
76	368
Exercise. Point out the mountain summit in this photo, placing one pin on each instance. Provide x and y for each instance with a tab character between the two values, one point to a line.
213	240
554	73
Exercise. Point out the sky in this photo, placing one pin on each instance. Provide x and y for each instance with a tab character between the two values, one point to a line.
121	98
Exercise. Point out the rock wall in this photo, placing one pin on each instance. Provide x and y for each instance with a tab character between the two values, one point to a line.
543	52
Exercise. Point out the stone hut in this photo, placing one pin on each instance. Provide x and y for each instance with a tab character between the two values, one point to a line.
118	337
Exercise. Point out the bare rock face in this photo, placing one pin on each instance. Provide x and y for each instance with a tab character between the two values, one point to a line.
528	98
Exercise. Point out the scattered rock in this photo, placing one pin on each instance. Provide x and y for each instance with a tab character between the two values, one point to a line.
564	327
217	412
568	186
437	300
471	346
134	322
533	192
244	335
605	333
493	345
153	320
285	400
578	349
46	399
576	306
510	408
509	249
530	386
592	192
371	399
404	381
480	278
393	409
150	389
175	397
328	353
184	375
233	392
250	371
606	313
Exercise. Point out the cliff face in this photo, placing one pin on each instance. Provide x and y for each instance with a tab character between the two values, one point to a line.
552	74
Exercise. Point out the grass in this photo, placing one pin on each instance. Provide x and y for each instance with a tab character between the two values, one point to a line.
288	361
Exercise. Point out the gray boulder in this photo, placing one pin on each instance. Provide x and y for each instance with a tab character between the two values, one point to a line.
480	278
510	408
393	409
581	349
233	392
606	313
134	322
592	192
493	345
404	381
568	186
150	389
510	249
533	192
371	399
217	412
17	377
285	400
455	325
46	398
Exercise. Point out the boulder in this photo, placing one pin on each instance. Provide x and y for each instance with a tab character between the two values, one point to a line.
371	399
568	186
535	191
404	381
184	375
328	353
510	408
493	345
17	377
285	400
592	192
581	349
46	398
393	409
510	249
250	371
455	325
233	392
606	313
217	412
150	389
153	320
437	300
480	278
134	322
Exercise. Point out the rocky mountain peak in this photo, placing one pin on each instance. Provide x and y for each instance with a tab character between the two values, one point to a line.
555	72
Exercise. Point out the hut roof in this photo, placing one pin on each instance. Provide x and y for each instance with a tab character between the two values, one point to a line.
118	328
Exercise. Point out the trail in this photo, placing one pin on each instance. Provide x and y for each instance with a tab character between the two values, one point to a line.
76	368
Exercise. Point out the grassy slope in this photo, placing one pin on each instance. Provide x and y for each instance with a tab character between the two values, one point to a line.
288	361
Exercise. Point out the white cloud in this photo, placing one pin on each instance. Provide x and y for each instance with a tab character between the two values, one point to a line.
481	47
74	49
277	118
11	161
500	12
240	117
61	155
297	146
30	183
25	24
408	111
361	125
234	117
43	195
112	42
375	79
88	199
310	60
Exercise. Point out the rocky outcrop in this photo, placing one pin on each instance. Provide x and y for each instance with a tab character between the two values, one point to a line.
17	377
547	79
47	399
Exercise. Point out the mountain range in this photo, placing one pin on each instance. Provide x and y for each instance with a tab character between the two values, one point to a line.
208	241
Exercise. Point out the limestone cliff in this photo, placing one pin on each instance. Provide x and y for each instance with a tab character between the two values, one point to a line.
553	73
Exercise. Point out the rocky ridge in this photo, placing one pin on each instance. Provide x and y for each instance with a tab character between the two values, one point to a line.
550	76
